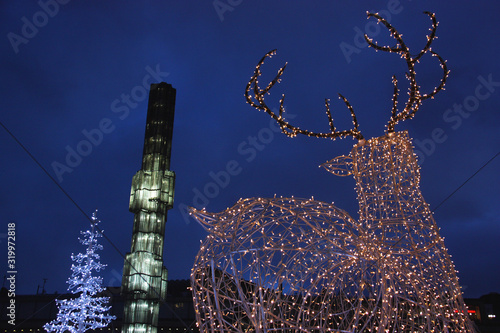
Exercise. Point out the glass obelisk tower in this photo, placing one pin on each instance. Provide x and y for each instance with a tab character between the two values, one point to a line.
144	283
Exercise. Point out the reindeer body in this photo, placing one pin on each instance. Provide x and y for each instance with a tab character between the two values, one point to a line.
301	265
292	265
276	264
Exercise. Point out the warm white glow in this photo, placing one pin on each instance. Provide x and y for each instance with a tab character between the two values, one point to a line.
302	265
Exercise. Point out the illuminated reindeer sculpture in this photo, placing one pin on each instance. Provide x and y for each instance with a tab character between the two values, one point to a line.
301	265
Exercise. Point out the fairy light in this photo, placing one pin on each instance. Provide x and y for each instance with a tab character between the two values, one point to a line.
415	98
302	265
257	101
88	311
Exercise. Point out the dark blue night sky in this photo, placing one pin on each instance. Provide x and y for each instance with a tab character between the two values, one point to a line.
81	69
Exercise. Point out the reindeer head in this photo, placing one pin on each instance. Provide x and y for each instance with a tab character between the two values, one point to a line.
255	95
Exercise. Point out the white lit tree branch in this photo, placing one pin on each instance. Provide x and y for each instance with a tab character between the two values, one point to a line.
88	311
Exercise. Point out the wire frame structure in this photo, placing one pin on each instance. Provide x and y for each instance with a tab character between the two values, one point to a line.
415	275
275	264
302	265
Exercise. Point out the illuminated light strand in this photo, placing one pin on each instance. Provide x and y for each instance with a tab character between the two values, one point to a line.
295	265
302	265
415	98
88	311
257	101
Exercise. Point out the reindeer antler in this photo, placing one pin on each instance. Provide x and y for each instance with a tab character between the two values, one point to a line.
415	98
411	107
257	101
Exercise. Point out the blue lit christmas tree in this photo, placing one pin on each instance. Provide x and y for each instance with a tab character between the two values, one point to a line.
87	311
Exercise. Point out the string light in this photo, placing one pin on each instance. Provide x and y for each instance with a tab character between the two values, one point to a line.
88	311
415	98
302	265
257	101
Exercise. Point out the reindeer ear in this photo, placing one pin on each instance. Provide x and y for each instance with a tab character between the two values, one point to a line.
339	166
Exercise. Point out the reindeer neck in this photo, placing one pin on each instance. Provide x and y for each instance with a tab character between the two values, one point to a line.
387	181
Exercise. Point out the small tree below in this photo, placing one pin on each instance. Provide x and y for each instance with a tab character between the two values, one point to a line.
87	311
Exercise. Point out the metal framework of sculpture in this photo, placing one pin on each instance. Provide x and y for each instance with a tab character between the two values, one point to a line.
301	265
